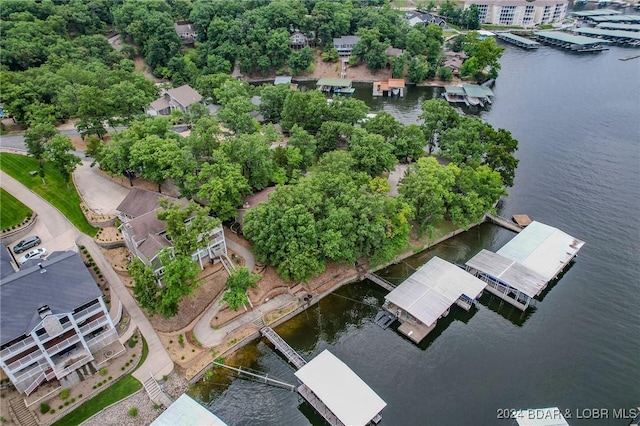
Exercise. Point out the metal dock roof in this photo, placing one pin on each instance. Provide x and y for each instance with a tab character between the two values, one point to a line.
348	397
599	12
542	248
518	39
569	38
477	91
508	271
618	26
334	82
630	35
616	18
455	90
433	288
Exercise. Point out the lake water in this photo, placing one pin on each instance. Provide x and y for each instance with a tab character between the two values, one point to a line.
577	117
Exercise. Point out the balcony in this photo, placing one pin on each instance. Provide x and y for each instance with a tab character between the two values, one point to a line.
75	359
93	325
87	312
63	345
30	373
24	361
17	347
102	340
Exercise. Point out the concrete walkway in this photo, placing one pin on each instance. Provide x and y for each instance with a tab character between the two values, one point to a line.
158	362
210	337
249	259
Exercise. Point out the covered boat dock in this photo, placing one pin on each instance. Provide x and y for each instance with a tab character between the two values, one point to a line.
572	42
391	87
187	411
428	294
337	393
597	12
518	41
629	19
629	38
618	26
335	85
469	94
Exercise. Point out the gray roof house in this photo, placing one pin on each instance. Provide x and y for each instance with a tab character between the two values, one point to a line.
344	45
422	18
179	98
186	31
53	322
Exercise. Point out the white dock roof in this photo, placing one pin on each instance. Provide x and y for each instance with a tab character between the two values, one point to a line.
541	417
508	271
542	248
186	411
352	401
433	288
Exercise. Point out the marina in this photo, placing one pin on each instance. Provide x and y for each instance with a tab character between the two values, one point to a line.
628	38
628	19
574	43
518	41
618	26
597	12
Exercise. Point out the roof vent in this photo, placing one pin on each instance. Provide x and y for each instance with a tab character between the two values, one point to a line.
44	310
42	270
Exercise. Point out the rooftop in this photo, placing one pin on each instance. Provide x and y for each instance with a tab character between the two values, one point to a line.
616	18
599	12
619	26
508	271
542	248
145	224
347	39
186	411
476	91
185	95
5	262
63	283
283	79
632	35
340	389
433	288
334	82
140	201
569	38
519	39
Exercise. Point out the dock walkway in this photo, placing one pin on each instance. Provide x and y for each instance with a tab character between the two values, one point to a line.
380	281
505	223
292	356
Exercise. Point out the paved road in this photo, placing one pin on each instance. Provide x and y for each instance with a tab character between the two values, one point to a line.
158	362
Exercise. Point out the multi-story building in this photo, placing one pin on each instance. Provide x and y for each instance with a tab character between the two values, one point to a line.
54	323
344	45
520	13
179	98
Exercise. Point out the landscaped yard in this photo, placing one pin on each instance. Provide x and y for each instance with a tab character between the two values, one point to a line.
119	390
13	211
55	190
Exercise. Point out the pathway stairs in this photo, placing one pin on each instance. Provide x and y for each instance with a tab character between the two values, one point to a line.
505	223
22	415
292	356
155	392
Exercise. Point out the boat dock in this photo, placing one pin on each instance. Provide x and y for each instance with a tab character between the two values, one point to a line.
599	12
469	94
505	223
335	85
292	356
627	19
627	38
574	43
518	41
618	26
380	281
391	87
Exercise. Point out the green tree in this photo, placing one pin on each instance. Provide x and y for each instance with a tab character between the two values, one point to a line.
277	47
476	191
188	227
36	137
398	66
300	60
437	116
418	69
330	54
157	159
179	279
240	280
57	151
444	74
372	154
272	101
236	116
306	109
252	153
305	143
409	143
146	288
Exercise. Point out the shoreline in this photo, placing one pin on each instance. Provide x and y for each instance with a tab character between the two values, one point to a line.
357	278
430	83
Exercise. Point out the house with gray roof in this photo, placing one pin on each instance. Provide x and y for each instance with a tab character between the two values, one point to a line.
345	44
186	31
179	98
54	324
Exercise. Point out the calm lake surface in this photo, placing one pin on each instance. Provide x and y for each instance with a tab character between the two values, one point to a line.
577	118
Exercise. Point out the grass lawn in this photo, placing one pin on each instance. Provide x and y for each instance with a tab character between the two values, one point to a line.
55	190
119	390
13	211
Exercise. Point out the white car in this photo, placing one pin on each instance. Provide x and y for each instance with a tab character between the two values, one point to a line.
33	254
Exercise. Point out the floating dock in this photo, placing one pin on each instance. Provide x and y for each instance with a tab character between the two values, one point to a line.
522	220
428	294
498	220
522	268
518	41
574	43
628	38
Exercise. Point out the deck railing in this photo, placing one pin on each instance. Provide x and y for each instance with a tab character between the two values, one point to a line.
63	345
94	325
87	312
25	360
61	372
35	383
17	347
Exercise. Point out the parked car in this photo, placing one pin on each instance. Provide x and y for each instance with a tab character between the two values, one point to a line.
33	254
26	244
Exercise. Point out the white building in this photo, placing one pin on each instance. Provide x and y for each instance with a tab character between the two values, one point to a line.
520	13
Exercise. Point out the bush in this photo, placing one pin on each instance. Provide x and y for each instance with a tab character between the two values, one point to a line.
66	403
73	400
110	377
79	396
156	406
44	408
133	412
122	368
64	394
99	384
60	407
52	412
181	340
132	342
104	371
444	74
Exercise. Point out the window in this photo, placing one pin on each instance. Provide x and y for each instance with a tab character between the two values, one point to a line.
506	15
528	14
482	15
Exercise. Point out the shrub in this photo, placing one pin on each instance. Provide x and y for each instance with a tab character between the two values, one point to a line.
133	355
133	412
182	357
99	384
181	340
171	342
60	407
52	412
165	378
104	371
64	394
122	368
79	396
132	342
73	400
110	377
156	406
44	408
66	403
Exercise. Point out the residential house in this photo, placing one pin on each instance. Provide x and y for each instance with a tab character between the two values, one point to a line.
520	13
54	324
186	31
179	98
422	18
454	60
344	45
146	236
299	40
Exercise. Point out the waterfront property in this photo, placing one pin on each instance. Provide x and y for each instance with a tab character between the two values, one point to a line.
391	87
469	94
428	294
344	44
628	38
335	85
571	42
187	411
522	268
339	394
551	416
54	324
520	13
518	41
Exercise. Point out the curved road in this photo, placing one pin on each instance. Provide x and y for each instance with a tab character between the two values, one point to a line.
158	362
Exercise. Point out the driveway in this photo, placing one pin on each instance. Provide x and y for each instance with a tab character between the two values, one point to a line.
98	192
